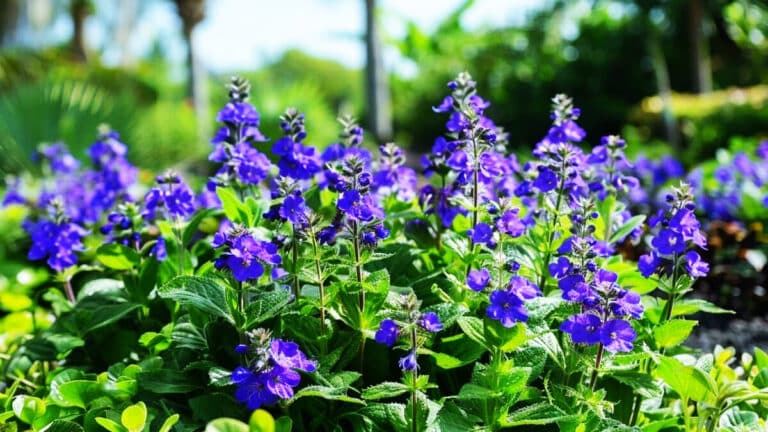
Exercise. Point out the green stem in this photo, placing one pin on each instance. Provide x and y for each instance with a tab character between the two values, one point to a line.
180	242
550	230
359	275
598	359
321	288
296	287
414	400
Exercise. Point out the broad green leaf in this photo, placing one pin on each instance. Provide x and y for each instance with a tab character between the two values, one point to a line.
266	305
166	381
234	209
134	417
326	392
80	393
62	426
473	391
283	424
507	339
459	351
261	421
110	425
117	256
28	408
692	306
226	425
384	390
737	419
687	381
473	328
98	311
202	293
673	332
541	413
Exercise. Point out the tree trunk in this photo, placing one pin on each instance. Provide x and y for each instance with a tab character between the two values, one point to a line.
9	20
191	13
79	11
656	53
698	35
376	85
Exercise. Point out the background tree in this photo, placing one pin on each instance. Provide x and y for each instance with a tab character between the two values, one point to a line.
376	80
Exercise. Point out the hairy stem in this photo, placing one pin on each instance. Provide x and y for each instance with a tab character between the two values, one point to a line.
414	400
295	250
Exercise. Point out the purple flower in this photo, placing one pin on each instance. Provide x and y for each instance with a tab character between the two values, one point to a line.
281	381
477	280
430	322
546	180
695	266
482	234
445	106
245	256
617	336
560	268
409	363
510	223
294	209
158	250
288	355
627	303
356	206
583	328
574	288
387	333
647	264
252	388
668	242
57	242
173	195
507	308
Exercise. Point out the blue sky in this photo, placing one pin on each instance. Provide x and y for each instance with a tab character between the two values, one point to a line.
244	34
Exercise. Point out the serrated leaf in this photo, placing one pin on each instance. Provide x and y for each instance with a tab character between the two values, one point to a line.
471	391
329	393
541	413
692	306
266	305
384	390
202	293
673	332
473	328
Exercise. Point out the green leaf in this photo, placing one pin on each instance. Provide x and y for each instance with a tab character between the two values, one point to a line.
541	413
473	328
62	426
283	424
166	381
328	393
117	256
134	417
673	332
692	306
234	209
110	425
98	311
226	425
194	223
28	408
471	391
266	305
261	421
463	351
169	422
507	339
202	293
687	381
384	390
80	393
740	420
627	228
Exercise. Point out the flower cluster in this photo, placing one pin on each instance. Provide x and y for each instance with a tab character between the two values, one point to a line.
610	166
57	239
242	164
605	306
270	373
171	195
125	226
244	255
678	234
408	321
297	161
358	213
392	177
